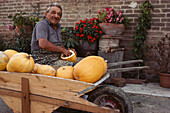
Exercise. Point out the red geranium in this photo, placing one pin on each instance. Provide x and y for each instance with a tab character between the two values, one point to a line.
88	29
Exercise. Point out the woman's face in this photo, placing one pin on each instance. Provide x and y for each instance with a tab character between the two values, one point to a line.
54	15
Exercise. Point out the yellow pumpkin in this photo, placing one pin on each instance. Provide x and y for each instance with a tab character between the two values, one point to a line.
10	52
20	62
46	70
65	72
104	63
36	66
90	69
3	61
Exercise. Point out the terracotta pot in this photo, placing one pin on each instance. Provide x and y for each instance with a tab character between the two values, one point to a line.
112	28
164	80
17	29
28	29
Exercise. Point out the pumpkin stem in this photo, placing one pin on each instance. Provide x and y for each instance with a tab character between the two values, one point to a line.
28	57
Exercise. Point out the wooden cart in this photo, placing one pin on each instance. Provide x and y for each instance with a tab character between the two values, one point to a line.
36	93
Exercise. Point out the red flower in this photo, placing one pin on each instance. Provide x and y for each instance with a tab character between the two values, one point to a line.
77	34
88	29
81	35
107	9
81	29
77	27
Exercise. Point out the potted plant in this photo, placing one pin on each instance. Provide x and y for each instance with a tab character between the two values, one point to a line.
112	22
23	26
69	39
22	21
161	55
88	33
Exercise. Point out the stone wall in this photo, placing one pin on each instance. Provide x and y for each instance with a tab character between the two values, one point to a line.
75	10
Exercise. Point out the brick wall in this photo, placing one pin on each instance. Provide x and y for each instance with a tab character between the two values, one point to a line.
74	10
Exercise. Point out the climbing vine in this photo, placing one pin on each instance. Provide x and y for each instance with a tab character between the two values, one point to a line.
144	23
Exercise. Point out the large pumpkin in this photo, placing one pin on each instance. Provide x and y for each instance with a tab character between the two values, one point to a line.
46	70
20	62
10	52
3	60
90	69
65	72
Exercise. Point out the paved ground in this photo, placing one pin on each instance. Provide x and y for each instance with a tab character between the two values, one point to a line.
4	108
146	98
150	104
149	98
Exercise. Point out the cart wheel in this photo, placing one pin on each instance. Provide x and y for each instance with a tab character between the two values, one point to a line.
112	97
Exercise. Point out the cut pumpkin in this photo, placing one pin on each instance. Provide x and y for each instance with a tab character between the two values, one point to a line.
71	58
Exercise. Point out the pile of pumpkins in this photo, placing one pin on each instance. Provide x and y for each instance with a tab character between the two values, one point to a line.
89	69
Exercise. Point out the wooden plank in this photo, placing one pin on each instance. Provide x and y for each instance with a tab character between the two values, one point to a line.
14	103
127	69
39	107
42	81
57	102
25	97
44	85
124	62
74	105
36	107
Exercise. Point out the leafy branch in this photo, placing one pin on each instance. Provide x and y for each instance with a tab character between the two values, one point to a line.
144	23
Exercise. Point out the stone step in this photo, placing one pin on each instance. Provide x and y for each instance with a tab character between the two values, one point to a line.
150	89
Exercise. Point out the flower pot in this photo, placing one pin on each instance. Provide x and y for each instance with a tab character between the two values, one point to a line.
85	49
164	80
112	28
27	29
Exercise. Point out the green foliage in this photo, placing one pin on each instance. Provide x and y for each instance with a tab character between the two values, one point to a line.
21	19
69	39
21	42
144	23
